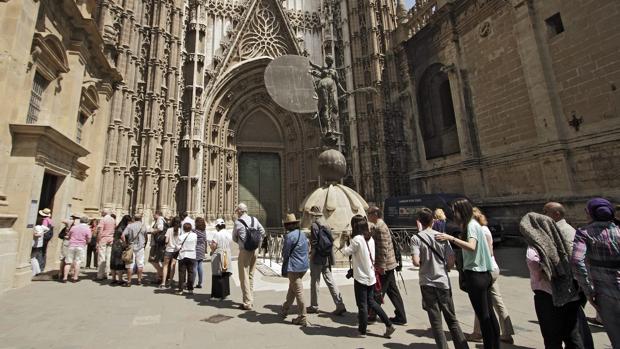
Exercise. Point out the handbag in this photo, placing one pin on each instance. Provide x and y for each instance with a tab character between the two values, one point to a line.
285	260
175	254
127	256
378	286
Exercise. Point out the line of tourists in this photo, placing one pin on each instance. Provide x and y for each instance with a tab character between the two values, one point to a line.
568	267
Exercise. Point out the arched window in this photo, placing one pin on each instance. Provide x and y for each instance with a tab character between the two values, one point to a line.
437	120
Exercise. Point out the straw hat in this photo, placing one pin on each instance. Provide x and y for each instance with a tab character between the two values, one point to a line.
46	212
315	211
290	219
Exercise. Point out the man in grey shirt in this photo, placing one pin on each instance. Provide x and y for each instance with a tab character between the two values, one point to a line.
135	234
247	259
435	258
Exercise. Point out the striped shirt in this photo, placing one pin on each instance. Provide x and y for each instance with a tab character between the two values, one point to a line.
596	259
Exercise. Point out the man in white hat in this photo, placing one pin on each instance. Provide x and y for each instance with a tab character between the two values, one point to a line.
46	214
247	259
294	267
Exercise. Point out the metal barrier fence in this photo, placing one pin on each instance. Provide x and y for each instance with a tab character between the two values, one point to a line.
402	236
271	248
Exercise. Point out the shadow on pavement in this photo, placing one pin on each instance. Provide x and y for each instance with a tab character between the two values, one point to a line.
320	330
262	318
347	318
412	345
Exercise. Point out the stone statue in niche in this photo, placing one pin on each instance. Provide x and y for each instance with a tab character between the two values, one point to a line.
229	168
327	87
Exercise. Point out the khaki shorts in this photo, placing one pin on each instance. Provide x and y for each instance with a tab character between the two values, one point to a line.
138	258
64	249
74	255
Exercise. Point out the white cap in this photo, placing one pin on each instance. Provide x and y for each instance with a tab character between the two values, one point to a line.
219	221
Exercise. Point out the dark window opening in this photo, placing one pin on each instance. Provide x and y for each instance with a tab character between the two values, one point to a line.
38	87
554	24
81	120
437	119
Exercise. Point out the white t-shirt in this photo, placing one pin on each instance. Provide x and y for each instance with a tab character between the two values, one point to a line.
187	243
173	242
37	232
363	270
489	237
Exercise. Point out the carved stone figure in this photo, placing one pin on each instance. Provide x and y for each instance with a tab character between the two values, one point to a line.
327	88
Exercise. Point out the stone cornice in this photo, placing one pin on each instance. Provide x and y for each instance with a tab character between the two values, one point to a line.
35	134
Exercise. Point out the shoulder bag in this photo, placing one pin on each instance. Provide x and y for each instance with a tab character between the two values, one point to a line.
127	256
441	259
175	254
378	286
285	260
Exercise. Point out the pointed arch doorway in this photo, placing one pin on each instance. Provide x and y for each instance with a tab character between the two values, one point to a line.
260	145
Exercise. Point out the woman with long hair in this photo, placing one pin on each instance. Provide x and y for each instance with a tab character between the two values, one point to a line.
477	268
505	324
362	248
117	266
172	245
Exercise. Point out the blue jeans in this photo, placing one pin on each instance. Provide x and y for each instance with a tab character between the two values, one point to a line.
198	271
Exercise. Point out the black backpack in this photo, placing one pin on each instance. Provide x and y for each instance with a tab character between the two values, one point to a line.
325	241
48	234
253	236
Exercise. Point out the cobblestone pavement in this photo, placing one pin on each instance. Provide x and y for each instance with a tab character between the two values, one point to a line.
89	314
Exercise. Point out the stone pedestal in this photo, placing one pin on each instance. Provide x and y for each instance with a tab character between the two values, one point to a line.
337	202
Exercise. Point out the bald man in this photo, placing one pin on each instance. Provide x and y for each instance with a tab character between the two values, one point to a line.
556	211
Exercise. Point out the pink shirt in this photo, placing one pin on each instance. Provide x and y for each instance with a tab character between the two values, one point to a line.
79	235
106	226
538	278
47	221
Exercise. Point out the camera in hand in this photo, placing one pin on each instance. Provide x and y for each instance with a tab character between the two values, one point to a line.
349	273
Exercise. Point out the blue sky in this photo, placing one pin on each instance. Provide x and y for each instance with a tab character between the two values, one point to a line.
409	3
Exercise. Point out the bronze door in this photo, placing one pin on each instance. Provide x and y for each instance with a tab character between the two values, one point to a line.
260	186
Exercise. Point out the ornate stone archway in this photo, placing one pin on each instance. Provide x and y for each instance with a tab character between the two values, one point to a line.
239	97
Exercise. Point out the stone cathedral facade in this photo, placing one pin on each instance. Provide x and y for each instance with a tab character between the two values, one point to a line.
145	105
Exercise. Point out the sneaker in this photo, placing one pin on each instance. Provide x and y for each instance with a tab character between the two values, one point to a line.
339	310
246	307
312	310
473	337
397	321
388	331
178	292
190	292
198	286
507	339
301	321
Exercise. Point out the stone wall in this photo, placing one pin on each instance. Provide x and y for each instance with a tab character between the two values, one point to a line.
517	78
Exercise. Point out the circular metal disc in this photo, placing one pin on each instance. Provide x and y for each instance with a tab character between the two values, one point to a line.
290	84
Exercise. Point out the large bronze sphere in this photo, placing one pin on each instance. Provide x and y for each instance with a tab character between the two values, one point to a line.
332	165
